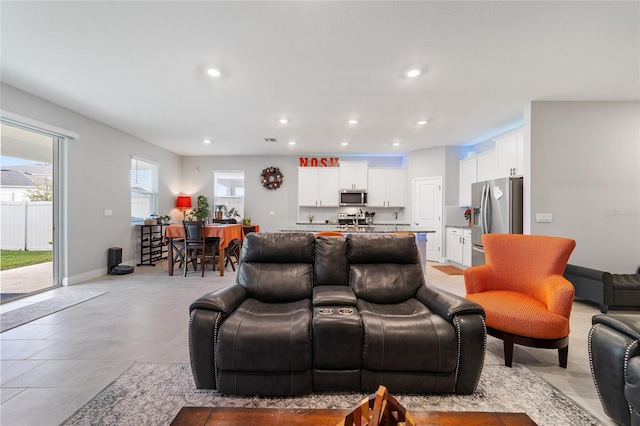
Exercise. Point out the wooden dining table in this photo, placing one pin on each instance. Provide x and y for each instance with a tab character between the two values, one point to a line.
226	233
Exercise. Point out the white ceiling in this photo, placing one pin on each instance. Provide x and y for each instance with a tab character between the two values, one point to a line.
140	67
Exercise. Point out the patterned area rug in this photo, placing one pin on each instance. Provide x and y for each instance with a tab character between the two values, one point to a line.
20	316
153	393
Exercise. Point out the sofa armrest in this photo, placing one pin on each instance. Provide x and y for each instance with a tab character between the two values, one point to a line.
467	318
478	279
225	300
626	324
445	304
632	386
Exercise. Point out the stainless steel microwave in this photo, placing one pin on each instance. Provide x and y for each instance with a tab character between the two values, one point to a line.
353	197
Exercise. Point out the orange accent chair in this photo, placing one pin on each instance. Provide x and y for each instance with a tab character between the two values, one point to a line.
329	234
524	294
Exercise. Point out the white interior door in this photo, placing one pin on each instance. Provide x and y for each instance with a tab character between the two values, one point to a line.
427	212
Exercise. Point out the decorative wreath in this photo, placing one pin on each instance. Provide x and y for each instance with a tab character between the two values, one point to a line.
271	178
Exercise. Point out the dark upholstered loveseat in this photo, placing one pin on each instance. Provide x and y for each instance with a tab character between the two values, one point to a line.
604	288
614	355
334	314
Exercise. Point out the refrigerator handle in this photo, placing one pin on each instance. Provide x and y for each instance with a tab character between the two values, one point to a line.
487	209
483	224
476	248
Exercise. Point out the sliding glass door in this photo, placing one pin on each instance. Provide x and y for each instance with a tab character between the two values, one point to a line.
29	191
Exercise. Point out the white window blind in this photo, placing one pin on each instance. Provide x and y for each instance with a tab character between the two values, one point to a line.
144	189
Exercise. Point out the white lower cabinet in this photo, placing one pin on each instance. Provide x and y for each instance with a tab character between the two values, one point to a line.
459	246
466	248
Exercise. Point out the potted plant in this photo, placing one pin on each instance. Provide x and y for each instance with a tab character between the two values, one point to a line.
201	212
467	215
232	213
310	217
219	210
164	219
246	221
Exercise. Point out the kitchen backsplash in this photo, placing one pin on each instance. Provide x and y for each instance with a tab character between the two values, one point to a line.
454	216
382	215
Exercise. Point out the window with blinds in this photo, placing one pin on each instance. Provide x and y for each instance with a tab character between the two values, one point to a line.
229	191
144	190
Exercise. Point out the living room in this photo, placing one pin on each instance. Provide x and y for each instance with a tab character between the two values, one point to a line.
582	147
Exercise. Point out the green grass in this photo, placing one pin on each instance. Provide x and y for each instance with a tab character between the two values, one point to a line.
10	259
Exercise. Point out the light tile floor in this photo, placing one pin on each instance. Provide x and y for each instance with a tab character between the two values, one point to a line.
54	365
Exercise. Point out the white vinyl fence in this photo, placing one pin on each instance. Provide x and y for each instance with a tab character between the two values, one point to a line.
26	225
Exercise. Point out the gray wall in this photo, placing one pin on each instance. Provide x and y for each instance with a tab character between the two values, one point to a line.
440	161
98	169
585	170
260	202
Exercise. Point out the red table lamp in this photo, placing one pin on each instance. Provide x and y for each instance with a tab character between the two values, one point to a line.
183	202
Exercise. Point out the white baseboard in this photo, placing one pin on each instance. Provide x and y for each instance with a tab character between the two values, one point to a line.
97	273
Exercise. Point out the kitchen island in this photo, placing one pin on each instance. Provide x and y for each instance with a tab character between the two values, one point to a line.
420	232
373	229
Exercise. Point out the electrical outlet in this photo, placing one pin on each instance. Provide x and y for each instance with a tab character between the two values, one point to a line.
544	217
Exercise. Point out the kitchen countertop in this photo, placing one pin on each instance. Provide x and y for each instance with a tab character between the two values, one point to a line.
374	229
458	226
335	224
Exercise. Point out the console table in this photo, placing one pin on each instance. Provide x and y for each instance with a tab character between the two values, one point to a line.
152	246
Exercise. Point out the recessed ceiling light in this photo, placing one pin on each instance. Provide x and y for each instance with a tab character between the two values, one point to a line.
292	143
344	143
207	141
421	122
413	73
213	72
353	121
283	121
396	144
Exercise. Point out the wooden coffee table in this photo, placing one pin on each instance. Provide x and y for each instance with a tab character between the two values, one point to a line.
225	416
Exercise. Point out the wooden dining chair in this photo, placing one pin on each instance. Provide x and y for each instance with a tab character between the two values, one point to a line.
197	247
404	232
232	252
329	234
178	251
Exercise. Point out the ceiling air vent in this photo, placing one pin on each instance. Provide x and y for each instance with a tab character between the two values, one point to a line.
270	140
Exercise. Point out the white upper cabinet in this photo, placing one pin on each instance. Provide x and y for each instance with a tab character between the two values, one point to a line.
510	154
353	174
468	175
487	166
318	186
387	188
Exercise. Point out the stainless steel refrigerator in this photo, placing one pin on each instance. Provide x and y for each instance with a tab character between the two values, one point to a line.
496	209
